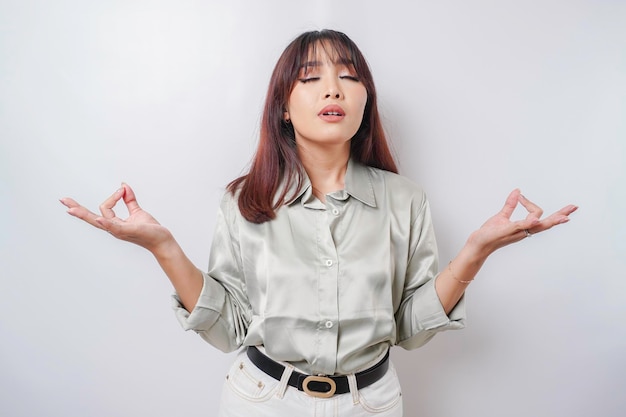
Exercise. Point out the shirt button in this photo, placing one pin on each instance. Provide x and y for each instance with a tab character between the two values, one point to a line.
329	324
336	212
329	262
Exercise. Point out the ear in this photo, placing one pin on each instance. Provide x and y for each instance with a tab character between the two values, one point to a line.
286	116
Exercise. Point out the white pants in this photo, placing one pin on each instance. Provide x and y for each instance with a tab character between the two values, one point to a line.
250	392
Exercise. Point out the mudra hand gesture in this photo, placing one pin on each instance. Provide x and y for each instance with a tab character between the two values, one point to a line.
499	230
139	227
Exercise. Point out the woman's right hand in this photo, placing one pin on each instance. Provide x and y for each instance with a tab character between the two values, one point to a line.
139	227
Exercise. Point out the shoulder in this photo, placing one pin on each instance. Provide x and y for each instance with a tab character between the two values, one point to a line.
229	199
397	187
229	207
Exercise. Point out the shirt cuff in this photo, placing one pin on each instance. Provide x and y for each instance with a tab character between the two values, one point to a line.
430	312
208	308
429	317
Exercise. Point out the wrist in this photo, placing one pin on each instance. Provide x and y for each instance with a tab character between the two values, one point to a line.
473	253
476	249
165	248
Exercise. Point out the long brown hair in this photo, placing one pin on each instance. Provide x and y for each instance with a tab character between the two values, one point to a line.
276	159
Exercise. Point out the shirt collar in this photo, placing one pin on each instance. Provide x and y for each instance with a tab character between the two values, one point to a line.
357	184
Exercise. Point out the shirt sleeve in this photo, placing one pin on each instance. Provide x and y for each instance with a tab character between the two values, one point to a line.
421	314
222	312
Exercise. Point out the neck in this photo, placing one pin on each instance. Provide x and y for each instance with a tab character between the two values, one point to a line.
325	167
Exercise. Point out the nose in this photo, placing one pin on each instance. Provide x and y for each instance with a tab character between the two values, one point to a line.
333	90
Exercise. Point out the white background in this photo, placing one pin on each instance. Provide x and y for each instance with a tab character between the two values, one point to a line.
479	97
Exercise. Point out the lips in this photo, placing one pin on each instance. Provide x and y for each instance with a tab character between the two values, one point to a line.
332	110
332	113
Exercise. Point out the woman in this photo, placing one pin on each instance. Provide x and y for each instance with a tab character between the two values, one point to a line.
323	257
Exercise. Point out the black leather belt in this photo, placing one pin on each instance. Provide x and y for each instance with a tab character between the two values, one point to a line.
319	386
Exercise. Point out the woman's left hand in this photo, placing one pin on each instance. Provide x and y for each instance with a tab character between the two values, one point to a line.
500	230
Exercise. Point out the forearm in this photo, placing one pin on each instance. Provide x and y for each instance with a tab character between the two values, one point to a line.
457	275
183	274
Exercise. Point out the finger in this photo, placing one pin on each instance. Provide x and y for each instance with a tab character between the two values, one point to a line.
129	198
68	202
106	208
564	213
567	210
78	211
555	219
534	211
510	204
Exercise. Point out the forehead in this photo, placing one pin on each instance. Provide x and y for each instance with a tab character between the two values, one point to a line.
326	53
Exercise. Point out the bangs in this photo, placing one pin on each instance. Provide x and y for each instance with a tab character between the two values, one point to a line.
337	46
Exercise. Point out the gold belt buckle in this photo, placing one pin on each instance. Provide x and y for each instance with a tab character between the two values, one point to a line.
319	378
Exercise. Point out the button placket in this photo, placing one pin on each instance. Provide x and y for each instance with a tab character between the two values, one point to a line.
328	292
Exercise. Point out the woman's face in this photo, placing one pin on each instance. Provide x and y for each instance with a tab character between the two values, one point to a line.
327	102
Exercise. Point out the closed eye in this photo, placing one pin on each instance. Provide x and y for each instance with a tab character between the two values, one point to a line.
309	79
349	77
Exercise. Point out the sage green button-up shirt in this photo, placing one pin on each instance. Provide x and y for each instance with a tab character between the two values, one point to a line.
328	286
